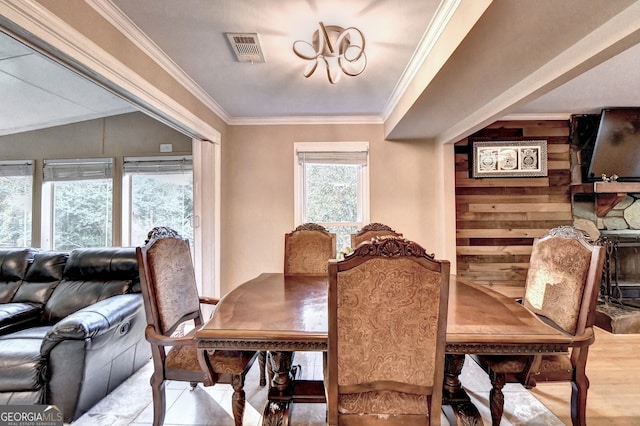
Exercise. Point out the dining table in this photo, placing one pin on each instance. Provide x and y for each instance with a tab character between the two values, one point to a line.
284	314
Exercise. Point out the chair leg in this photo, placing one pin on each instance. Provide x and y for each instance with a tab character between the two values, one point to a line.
159	400
579	401
238	398
262	359
496	397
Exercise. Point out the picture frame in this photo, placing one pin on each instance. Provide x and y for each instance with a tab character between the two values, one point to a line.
513	158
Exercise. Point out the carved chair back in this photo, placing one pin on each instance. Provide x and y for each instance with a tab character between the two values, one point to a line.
387	332
563	281
171	300
370	231
307	250
169	281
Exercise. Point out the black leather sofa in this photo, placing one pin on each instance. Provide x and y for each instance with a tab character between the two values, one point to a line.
71	326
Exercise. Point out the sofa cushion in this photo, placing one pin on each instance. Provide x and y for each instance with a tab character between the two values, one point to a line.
22	368
15	314
13	267
91	275
102	263
71	296
42	277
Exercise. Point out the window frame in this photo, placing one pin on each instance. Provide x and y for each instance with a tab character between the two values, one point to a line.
22	168
127	189
363	179
48	191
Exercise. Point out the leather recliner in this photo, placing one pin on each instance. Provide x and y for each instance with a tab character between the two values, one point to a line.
71	326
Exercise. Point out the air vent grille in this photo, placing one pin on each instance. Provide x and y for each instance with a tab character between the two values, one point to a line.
246	46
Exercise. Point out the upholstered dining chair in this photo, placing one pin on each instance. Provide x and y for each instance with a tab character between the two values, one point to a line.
307	250
562	287
370	231
171	299
387	331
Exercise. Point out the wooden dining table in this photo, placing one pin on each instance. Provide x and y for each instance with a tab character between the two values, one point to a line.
284	314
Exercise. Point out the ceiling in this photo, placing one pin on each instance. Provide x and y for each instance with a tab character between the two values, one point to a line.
434	70
38	93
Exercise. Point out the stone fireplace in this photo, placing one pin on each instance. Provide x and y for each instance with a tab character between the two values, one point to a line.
613	218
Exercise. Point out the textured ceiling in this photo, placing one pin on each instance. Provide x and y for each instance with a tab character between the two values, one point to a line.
39	93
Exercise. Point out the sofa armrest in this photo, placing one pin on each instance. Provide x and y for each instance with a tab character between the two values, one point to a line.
93	321
92	351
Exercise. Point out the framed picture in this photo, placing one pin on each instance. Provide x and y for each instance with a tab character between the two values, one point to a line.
508	158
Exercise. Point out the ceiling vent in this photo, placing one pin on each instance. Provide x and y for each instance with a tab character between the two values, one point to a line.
246	46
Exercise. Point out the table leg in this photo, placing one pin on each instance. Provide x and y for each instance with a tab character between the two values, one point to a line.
286	389
281	363
276	411
457	405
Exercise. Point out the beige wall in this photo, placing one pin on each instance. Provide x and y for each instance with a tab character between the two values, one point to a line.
257	179
408	190
258	196
133	134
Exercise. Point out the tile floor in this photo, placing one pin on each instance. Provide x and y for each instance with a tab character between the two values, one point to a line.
130	404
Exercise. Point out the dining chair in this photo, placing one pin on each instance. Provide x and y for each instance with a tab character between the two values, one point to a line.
370	231
563	281
307	250
387	331
171	300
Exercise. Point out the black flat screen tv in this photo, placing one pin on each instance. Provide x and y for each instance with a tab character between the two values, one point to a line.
617	146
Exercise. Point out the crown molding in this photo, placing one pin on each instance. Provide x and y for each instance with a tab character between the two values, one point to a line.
109	11
114	15
441	19
118	19
301	120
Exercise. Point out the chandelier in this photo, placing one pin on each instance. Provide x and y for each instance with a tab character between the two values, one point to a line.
341	50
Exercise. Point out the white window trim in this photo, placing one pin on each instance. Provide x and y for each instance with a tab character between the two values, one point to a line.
125	231
328	147
46	226
48	189
206	212
24	169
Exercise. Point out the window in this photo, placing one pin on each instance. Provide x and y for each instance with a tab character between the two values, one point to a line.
77	203
16	183
332	187
157	191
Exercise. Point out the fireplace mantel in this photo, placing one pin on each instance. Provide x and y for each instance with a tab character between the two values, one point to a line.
608	194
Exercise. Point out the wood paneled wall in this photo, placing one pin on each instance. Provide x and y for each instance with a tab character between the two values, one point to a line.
498	218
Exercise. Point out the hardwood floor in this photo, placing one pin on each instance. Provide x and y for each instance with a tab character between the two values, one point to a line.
613	369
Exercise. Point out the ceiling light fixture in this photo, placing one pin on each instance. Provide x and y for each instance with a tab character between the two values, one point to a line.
341	50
